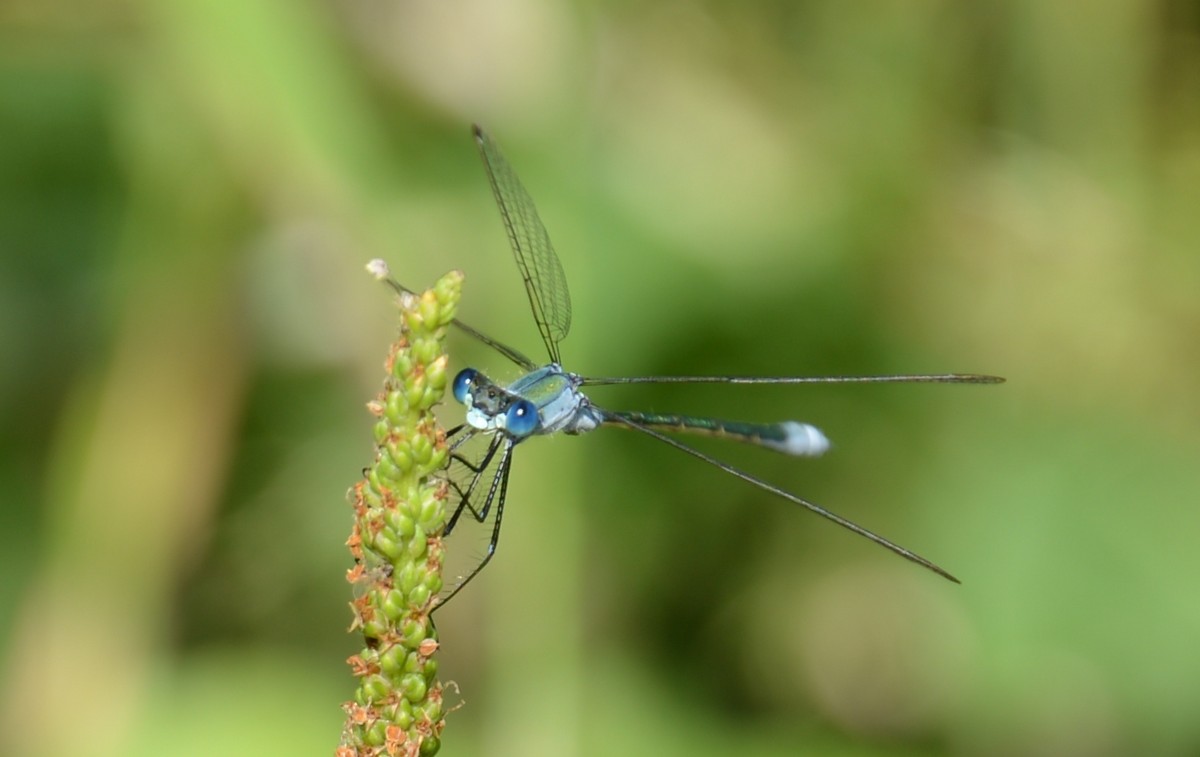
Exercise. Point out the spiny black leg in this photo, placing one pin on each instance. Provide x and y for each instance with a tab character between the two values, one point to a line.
498	488
465	497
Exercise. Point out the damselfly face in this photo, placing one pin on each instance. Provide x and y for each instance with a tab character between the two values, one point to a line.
490	407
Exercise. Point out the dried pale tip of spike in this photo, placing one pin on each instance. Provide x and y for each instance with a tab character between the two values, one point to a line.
801	439
379	269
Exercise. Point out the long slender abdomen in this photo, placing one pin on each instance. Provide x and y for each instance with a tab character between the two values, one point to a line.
789	437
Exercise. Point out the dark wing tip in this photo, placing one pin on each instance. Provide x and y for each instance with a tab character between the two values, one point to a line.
477	132
975	378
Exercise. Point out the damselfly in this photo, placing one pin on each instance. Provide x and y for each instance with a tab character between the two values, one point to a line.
549	399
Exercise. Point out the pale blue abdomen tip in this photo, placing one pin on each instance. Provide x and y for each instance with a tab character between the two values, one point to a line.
801	439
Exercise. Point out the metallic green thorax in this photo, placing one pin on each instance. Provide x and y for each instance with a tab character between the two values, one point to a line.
541	387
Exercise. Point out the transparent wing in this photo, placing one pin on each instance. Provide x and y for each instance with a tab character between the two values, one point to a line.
545	282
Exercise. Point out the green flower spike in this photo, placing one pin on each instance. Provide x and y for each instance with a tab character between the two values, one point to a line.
399	509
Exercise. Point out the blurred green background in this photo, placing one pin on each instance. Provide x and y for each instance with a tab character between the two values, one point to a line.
189	190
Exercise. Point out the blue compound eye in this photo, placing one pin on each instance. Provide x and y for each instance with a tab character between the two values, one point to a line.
521	418
462	384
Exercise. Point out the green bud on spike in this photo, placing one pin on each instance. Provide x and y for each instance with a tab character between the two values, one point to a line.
419	595
394	604
402	524
413	686
376	734
392	662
